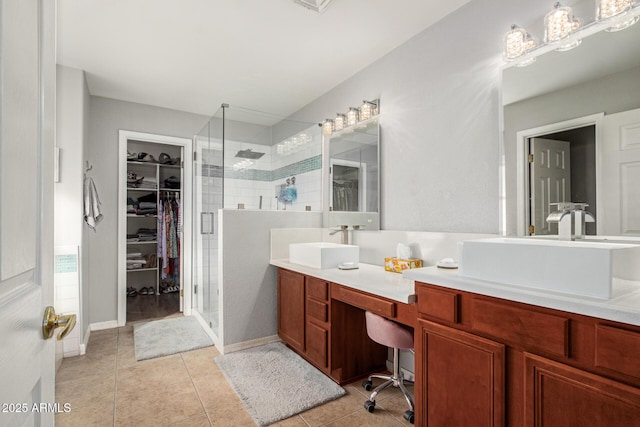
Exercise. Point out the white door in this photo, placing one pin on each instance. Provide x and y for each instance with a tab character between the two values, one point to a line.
27	102
619	155
550	178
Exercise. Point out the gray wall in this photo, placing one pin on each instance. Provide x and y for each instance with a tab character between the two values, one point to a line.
249	282
107	117
612	94
440	108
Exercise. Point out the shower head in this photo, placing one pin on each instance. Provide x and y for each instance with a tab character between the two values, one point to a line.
249	154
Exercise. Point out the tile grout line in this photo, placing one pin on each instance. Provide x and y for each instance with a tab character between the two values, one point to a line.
196	390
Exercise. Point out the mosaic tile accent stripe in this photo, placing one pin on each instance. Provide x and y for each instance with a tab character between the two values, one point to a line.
297	168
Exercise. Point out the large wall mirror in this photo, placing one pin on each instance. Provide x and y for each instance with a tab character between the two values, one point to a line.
353	183
576	116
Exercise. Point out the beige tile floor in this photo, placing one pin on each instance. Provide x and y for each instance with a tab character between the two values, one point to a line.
107	387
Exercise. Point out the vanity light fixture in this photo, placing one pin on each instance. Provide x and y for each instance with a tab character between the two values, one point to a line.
327	127
517	42
368	109
560	24
608	9
352	116
339	122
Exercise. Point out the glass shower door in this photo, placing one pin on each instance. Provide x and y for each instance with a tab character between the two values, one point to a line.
207	186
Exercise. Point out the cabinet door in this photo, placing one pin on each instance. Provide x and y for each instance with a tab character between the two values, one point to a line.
317	345
560	395
291	299
460	378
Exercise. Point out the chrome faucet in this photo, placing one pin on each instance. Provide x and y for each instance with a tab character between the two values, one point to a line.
345	234
571	219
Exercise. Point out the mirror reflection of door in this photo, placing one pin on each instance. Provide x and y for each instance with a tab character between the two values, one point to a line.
348	188
563	170
550	178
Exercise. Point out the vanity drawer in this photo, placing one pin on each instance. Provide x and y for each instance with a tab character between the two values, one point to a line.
618	350
521	327
317	288
317	310
441	304
364	301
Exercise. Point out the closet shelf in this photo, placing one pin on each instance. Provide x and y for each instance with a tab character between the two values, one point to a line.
146	242
135	162
142	269
169	190
141	216
141	189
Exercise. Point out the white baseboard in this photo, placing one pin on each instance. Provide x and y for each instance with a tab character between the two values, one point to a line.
249	344
103	325
85	341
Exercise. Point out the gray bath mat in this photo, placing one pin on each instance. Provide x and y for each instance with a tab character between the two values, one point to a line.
274	383
168	336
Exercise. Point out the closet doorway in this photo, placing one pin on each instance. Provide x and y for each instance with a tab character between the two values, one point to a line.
348	190
154	226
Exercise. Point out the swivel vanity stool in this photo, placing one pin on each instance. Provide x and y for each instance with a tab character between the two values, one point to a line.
392	335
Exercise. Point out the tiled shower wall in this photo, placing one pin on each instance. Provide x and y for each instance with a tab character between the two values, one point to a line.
265	176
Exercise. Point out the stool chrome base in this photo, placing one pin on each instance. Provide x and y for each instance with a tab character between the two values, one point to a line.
396	380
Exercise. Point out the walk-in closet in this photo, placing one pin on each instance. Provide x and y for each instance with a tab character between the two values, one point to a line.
153	215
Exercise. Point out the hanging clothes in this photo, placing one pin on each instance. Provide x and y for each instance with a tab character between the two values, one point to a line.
169	222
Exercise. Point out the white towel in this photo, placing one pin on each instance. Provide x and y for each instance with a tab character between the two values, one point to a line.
92	213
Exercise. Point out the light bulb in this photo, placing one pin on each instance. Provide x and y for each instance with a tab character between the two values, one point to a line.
608	9
352	116
339	122
517	42
327	127
560	24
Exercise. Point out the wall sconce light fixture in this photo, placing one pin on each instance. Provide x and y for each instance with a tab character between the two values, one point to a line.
563	32
517	42
327	127
607	9
339	122
352	116
368	109
560	24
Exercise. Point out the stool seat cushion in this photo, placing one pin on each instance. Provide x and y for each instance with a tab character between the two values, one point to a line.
387	332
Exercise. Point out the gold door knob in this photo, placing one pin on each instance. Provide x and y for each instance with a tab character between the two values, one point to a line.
52	321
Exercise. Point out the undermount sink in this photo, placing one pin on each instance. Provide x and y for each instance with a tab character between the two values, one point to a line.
323	254
585	268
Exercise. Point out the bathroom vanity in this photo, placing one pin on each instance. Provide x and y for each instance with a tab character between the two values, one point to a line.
321	315
490	356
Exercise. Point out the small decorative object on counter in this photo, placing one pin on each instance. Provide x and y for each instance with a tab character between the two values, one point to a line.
398	265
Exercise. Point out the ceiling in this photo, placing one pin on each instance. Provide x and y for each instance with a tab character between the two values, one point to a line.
268	55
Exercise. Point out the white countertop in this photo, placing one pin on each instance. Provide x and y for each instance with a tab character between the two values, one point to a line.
623	307
368	278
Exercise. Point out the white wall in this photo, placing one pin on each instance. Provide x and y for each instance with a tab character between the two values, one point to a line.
107	116
72	123
439	125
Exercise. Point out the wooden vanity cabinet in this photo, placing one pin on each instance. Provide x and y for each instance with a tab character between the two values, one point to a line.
291	299
317	324
485	361
325	324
